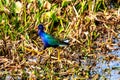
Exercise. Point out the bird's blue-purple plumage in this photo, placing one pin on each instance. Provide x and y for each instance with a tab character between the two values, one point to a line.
48	40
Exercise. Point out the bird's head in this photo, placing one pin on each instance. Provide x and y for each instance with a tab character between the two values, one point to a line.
40	27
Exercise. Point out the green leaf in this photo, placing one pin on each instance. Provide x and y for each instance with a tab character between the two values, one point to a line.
65	3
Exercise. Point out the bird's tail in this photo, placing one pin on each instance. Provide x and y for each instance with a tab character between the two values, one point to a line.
64	43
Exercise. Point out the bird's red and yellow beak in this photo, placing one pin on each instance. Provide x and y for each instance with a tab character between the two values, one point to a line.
36	28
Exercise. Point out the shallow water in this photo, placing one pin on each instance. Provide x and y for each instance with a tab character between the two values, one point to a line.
108	69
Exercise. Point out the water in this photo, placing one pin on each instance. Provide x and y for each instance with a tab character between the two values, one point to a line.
108	69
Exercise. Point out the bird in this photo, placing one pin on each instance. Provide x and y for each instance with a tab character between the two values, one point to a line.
48	40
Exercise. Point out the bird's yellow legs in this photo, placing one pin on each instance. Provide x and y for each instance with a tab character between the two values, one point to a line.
50	51
33	50
58	52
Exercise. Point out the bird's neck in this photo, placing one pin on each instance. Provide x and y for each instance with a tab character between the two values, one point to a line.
40	32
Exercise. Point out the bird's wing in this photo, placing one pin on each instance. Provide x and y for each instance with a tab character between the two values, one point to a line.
51	40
